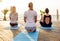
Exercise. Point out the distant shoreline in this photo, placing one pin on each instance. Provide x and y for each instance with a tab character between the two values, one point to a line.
54	18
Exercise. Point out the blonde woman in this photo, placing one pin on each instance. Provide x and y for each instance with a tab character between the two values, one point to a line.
13	16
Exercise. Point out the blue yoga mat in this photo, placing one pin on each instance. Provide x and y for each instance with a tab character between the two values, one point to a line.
12	28
31	36
47	28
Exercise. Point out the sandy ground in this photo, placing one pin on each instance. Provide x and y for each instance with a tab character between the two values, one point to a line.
44	35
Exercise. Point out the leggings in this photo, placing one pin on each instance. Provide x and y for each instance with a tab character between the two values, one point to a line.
13	24
31	28
45	25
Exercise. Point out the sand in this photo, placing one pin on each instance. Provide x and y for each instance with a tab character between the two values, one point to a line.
44	35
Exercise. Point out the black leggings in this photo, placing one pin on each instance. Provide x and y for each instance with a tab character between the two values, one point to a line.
45	25
13	24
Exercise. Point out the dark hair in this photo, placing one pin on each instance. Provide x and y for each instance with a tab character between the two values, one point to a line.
47	10
30	3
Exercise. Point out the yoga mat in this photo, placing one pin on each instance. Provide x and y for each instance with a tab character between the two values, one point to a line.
12	28
31	36
47	28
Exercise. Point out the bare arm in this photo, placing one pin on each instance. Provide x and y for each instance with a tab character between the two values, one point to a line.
51	19
24	19
17	16
35	19
10	17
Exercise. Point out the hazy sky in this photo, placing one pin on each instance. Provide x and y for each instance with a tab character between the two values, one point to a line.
22	5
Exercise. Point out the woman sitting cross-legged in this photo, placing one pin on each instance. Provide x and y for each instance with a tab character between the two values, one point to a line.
46	19
13	16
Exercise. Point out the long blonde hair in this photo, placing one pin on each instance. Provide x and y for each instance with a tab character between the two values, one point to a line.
13	9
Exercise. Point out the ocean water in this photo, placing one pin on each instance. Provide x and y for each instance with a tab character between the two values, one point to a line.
21	17
54	18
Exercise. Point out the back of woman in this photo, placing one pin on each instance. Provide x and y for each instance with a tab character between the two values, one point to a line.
47	21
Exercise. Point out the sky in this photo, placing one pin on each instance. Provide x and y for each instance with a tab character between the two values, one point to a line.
22	6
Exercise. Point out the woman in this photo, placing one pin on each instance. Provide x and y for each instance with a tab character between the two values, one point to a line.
46	19
13	16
